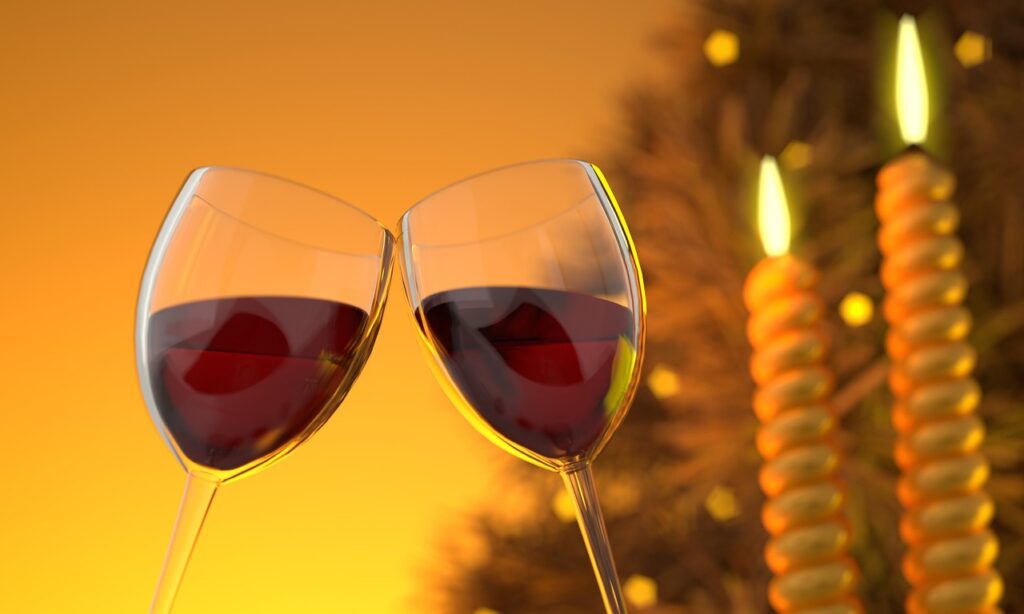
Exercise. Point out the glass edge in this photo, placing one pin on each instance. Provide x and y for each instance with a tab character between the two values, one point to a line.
484	173
271	233
248	171
636	285
142	308
405	261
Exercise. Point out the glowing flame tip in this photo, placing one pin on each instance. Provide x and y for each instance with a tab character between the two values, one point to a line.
911	84
772	210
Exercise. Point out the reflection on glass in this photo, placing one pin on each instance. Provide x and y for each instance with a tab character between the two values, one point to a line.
529	296
259	305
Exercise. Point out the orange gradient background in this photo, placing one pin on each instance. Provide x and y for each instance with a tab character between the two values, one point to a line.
105	108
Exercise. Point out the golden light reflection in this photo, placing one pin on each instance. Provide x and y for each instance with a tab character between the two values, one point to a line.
722	504
796	155
911	84
722	48
663	382
856	309
972	49
563	506
641	591
772	210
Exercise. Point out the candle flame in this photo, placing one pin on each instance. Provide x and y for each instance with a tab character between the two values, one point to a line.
772	211
911	84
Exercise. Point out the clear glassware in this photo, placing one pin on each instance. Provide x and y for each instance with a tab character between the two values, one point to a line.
258	307
529	297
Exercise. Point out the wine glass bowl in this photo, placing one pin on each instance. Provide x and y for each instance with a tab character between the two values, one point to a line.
258	307
544	368
528	295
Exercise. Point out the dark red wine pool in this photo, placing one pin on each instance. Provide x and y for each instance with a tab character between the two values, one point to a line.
237	378
536	364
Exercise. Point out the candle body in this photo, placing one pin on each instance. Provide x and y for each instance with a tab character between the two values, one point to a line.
947	512
804	514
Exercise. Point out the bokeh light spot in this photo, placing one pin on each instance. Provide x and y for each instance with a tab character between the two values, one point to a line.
663	382
856	309
641	591
796	155
563	506
722	48
722	504
972	49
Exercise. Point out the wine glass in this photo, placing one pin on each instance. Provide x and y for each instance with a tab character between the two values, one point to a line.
258	308
528	295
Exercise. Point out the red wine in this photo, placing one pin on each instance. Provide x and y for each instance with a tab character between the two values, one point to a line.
535	364
237	378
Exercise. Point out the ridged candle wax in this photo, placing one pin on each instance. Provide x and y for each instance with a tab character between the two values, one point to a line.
804	514
947	512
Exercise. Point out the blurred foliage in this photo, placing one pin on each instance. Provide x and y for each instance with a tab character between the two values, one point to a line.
679	480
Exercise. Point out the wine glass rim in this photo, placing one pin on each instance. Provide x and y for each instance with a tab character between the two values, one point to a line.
504	235
485	173
261	228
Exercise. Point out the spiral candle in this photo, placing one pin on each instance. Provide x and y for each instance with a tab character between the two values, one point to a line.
804	515
804	511
947	512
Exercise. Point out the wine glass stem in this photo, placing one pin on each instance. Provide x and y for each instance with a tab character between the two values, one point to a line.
195	503
580	482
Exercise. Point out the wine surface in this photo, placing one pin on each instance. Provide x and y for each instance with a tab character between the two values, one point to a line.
536	364
237	378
